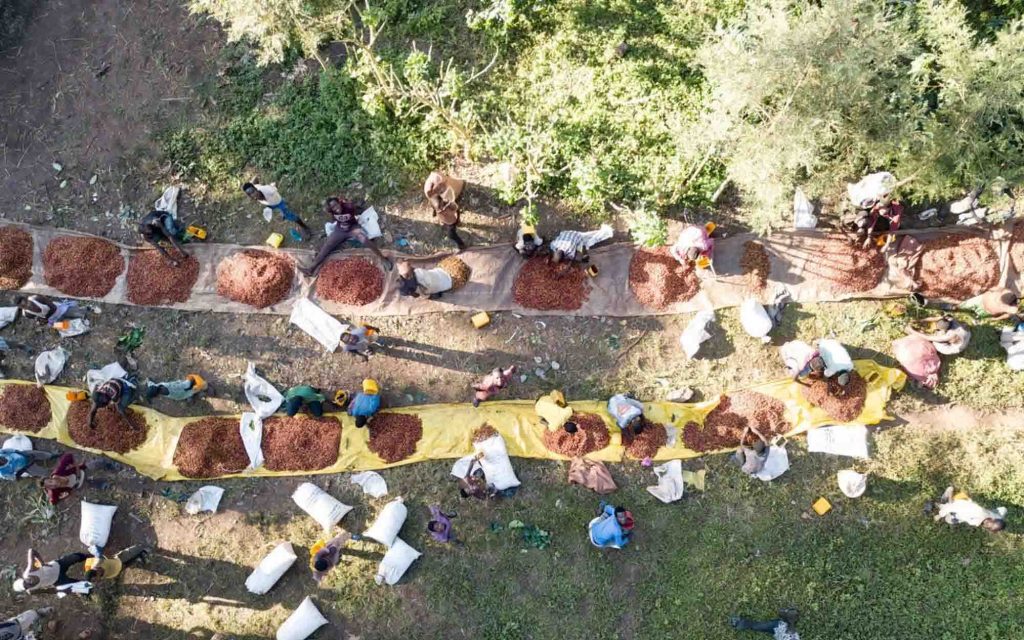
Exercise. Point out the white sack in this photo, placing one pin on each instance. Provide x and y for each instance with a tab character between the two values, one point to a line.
755	319
94	529
373	483
322	326
696	332
302	623
263	396
803	211
49	365
396	562
388	523
270	569
320	505
496	463
205	499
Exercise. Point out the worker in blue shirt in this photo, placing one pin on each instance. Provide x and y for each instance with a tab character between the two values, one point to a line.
612	528
366	403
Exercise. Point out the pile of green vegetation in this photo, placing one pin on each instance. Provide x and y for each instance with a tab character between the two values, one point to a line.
646	105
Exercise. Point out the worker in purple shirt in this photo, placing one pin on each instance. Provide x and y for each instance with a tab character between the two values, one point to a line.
440	525
365	404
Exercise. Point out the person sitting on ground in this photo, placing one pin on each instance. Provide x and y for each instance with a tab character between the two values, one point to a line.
442	192
628	413
612	528
694	246
474	484
119	392
782	627
346	220
949	336
958	508
103	568
324	555
528	241
46	310
883	217
186	389
817	369
65	478
159	228
492	383
20	627
440	524
304	395
17	464
555	413
366	403
751	459
53	574
268	196
359	341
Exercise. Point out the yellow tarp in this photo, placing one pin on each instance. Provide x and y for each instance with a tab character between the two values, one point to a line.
448	428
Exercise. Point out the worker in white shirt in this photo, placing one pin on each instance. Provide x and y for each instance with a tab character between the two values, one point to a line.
268	196
958	508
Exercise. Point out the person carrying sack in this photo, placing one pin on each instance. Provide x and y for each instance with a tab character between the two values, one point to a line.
442	192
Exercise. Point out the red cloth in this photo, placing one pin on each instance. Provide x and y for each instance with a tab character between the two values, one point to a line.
66	467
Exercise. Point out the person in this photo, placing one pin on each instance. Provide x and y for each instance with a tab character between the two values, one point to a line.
268	196
628	413
817	368
554	412
613	527
492	383
16	464
449	274
576	245
186	389
440	524
53	574
442	192
751	459
65	478
160	227
324	555
528	241
474	484
693	244
883	217
366	403
959	508
949	336
46	310
119	392
782	627
304	395
359	341
103	568
20	626
997	304
346	220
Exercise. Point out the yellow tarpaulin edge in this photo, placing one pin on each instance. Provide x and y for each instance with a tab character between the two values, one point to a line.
448	428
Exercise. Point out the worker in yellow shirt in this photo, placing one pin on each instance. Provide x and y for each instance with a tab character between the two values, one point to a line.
104	568
554	413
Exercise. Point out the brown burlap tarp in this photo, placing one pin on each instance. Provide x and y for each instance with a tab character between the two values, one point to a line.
794	257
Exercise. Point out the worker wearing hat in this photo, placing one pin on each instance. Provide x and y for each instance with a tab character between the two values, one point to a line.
366	403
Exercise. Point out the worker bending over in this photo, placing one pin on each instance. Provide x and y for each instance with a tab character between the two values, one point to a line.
694	246
304	395
628	413
118	392
949	336
365	404
159	228
554	413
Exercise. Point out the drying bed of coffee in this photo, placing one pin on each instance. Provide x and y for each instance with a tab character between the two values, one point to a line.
153	280
484	432
756	266
82	267
255	277
24	407
111	432
210	447
394	436
646	445
540	285
958	267
592	435
841	404
658	280
15	257
1017	248
841	266
724	425
457	270
300	443
351	281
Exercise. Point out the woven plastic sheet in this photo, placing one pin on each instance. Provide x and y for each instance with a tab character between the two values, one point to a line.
448	428
795	257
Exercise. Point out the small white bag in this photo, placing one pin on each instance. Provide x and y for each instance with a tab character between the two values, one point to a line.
302	623
696	332
320	505
94	530
50	364
396	562
388	523
755	319
837	358
270	569
263	396
251	429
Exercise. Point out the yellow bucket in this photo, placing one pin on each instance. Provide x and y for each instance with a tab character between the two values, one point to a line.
481	320
275	240
821	506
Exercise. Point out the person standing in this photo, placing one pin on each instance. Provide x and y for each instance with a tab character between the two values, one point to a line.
324	555
268	196
359	341
612	528
440	524
442	192
346	227
492	383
